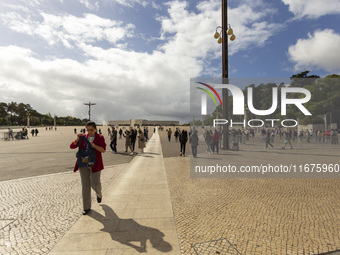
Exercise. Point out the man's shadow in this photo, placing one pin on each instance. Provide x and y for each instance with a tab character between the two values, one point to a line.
126	231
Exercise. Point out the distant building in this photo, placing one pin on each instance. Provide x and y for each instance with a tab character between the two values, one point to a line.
140	122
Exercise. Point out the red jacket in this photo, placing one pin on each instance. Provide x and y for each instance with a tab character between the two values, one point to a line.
98	140
216	137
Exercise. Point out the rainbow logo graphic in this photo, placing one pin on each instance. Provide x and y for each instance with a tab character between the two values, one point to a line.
209	93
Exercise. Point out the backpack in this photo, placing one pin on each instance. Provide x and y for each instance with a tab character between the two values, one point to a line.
86	157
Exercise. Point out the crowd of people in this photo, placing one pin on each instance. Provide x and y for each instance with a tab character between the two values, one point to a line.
213	137
131	136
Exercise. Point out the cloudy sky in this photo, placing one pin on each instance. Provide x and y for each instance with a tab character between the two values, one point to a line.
135	58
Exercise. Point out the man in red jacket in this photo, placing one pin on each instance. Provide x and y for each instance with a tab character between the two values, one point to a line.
90	176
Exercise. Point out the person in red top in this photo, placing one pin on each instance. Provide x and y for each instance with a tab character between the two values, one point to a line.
90	176
216	140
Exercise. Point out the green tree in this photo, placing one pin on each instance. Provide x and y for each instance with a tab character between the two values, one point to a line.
302	79
12	109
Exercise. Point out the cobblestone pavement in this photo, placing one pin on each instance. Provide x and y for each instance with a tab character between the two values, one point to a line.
258	216
255	216
36	212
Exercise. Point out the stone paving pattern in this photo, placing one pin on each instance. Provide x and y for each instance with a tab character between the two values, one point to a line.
257	216
35	213
135	217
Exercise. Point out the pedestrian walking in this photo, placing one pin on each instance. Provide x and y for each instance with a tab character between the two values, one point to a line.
268	137
169	134
328	136
120	133
183	138
193	140
287	140
113	138
176	134
128	142
215	141
36	131
141	141
133	137
90	176
10	134
308	136
26	133
208	140
146	134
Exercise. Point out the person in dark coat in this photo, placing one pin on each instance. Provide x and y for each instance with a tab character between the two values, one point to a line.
183	138
133	137
193	140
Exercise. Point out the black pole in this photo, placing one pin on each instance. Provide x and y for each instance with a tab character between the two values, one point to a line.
225	74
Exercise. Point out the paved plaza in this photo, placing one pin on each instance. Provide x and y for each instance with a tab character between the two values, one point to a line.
151	205
48	153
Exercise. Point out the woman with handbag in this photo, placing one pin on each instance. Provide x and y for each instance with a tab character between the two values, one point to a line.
89	163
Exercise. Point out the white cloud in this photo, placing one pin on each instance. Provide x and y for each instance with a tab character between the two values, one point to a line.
129	3
15	7
124	83
69	29
313	9
321	50
89	5
192	33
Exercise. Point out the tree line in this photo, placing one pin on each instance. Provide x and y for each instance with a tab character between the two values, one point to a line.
15	114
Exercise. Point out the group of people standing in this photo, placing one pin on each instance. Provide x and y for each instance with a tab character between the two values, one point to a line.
51	128
23	134
182	137
131	136
212	140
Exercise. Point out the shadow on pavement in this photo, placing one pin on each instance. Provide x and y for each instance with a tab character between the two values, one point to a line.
126	231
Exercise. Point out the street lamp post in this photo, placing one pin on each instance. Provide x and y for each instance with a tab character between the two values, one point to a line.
222	37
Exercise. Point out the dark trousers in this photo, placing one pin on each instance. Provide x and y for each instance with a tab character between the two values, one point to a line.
169	137
194	151
183	148
133	142
214	145
268	142
113	145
